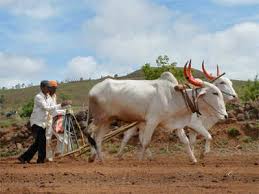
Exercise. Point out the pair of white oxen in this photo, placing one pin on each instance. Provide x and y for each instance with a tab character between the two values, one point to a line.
158	104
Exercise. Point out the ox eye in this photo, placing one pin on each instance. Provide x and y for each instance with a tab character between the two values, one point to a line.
215	93
222	83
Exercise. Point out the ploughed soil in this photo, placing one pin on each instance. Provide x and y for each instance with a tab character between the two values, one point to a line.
218	172
232	166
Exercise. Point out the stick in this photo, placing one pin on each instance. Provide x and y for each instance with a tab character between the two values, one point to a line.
69	153
105	139
113	134
217	77
79	129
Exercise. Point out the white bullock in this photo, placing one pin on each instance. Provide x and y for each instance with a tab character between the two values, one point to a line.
153	104
229	94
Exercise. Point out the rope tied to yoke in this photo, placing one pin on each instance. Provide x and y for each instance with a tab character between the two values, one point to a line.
190	103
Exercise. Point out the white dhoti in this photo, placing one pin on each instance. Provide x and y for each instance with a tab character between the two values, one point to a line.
62	140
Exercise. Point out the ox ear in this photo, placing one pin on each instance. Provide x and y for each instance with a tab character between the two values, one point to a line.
201	93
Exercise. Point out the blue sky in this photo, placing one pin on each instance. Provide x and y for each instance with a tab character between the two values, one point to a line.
58	39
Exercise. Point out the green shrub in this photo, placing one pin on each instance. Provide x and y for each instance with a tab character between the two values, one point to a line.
27	109
250	91
233	132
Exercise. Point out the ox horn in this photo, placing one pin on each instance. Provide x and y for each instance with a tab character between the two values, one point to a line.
218	72
185	71
208	75
190	77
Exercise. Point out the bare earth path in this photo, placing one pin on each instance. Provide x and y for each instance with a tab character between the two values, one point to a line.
218	173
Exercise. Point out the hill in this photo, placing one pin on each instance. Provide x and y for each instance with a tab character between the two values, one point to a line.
77	91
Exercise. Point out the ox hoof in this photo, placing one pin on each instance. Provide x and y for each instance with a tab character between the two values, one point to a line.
99	161
100	158
193	162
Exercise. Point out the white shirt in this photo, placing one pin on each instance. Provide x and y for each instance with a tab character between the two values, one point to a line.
43	105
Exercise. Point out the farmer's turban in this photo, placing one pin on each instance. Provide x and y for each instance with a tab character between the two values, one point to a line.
53	83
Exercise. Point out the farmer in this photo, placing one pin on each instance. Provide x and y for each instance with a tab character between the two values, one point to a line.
38	122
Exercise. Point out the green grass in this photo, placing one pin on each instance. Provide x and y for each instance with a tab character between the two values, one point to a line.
8	122
247	139
222	143
76	91
112	148
164	150
9	153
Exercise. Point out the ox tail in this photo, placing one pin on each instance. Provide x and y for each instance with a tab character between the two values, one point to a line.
90	139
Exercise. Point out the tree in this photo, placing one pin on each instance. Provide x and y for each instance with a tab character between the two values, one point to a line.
163	61
163	65
17	86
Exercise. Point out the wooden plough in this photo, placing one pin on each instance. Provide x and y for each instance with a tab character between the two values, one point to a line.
86	147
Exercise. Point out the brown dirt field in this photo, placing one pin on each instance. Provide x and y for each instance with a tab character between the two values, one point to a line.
167	173
231	167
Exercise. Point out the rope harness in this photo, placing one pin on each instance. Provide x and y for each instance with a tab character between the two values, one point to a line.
213	108
228	94
191	103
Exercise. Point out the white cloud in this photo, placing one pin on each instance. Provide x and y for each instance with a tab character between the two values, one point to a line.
85	67
88	67
19	69
30	8
236	2
123	35
139	31
235	49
